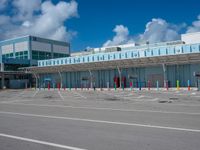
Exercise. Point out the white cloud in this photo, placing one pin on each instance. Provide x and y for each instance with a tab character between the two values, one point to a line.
157	30
121	37
25	9
195	26
40	19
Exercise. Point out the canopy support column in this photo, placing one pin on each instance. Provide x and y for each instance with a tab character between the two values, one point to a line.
91	82
165	75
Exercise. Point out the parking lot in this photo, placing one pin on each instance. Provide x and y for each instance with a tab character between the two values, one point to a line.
99	120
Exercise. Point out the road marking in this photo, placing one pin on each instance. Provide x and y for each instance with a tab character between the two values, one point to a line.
35	93
18	95
60	95
102	121
40	142
103	108
80	95
16	101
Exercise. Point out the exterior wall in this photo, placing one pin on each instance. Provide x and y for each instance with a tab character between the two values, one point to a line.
142	75
46	49
15	48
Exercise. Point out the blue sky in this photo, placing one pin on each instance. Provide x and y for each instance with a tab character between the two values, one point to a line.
94	23
99	17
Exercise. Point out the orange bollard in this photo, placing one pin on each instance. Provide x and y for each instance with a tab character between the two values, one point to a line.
188	85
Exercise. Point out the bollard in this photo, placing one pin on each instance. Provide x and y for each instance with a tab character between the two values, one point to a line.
140	86
70	87
48	86
149	85
167	85
131	86
177	85
59	86
188	85
115	86
123	87
108	86
54	86
157	85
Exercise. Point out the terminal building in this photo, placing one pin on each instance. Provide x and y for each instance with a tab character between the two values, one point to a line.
124	66
135	65
25	52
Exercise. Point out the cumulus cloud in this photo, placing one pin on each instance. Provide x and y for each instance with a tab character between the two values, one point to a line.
38	18
157	30
121	36
195	26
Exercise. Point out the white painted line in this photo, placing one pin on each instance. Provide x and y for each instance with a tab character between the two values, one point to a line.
60	95
18	95
102	121
139	97
17	101
40	142
196	96
35	93
80	95
107	109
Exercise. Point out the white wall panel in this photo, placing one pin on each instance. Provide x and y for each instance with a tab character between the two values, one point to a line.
61	49
7	49
41	46
22	46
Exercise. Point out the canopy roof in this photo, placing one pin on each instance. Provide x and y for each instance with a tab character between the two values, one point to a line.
123	63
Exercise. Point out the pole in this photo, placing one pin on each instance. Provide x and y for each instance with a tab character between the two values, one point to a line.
188	85
177	85
149	85
157	85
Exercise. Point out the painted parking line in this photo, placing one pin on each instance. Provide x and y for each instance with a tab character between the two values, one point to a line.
106	109
60	95
80	95
36	92
40	142
103	122
14	101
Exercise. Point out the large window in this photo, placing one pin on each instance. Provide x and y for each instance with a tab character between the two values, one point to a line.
21	55
59	55
39	55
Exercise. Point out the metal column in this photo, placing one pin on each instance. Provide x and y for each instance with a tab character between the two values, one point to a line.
165	74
